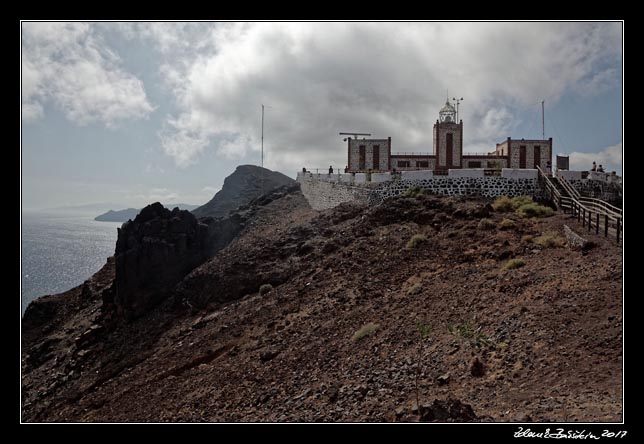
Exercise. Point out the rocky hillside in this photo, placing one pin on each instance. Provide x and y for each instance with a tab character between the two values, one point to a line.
361	312
245	184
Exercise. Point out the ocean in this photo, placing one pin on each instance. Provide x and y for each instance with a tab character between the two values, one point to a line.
61	250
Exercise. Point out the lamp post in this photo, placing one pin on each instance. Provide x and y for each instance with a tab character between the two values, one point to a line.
458	101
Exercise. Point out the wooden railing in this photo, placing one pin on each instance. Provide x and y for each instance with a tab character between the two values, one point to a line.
612	225
592	213
590	202
551	190
568	187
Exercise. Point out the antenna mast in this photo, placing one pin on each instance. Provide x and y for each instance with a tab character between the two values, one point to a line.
543	125
261	174
458	102
355	134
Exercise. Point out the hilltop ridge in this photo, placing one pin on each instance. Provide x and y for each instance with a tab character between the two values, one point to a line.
502	344
246	183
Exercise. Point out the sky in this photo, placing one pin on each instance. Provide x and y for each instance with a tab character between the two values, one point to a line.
129	113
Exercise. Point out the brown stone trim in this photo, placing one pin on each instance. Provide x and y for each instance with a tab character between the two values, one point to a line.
509	161
550	149
449	149
389	153
438	144
375	159
489	156
523	156
536	156
410	156
460	163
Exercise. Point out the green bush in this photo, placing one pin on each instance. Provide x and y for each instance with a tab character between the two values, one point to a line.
514	263
416	240
486	224
414	191
503	204
527	238
550	239
468	331
507	224
534	210
265	288
519	201
365	330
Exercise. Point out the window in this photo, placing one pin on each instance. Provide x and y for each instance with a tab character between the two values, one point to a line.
422	163
474	164
449	144
537	156
376	157
363	158
522	156
403	164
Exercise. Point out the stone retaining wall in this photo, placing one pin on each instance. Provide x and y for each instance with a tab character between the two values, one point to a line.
596	188
490	186
324	194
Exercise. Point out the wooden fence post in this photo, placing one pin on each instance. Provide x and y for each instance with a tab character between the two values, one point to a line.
583	217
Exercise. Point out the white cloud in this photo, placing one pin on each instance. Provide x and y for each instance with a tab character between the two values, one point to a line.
610	157
168	37
183	143
69	65
210	190
322	78
152	169
162	195
236	148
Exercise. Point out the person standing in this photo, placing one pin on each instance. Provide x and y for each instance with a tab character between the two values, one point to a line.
594	168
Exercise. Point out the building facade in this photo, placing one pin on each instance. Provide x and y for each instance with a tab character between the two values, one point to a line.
447	152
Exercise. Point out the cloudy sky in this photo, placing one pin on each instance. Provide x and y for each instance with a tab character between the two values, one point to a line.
131	113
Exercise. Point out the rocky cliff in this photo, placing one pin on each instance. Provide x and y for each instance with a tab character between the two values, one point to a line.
154	252
246	183
160	247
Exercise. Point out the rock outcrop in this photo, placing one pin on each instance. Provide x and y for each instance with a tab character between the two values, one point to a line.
245	184
154	252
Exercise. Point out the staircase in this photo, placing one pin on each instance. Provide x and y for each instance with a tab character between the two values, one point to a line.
560	187
591	213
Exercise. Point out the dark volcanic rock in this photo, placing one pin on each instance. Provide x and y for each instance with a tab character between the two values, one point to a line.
267	355
154	252
451	410
478	368
245	184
